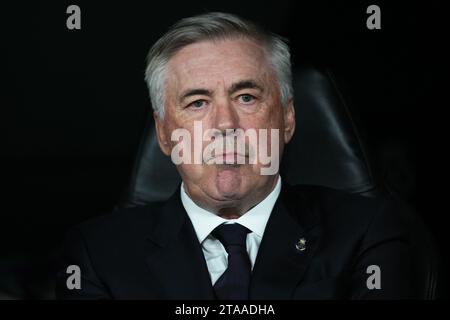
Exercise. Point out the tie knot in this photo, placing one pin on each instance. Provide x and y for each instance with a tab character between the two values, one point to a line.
231	234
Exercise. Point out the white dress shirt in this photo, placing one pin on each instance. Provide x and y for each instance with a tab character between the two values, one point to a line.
205	222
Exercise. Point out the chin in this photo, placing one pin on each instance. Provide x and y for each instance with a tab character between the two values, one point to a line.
227	190
228	183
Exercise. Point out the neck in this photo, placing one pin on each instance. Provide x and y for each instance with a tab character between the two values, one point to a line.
233	209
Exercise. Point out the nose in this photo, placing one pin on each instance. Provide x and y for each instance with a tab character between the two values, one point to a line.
225	116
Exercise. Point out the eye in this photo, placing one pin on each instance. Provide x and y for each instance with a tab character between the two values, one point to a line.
246	98
197	104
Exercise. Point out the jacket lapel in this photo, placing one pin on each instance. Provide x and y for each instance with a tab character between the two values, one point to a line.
175	256
280	266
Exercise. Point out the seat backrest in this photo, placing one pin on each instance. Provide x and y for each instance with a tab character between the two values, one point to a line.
326	148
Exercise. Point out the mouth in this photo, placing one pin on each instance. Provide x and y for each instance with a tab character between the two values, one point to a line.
228	158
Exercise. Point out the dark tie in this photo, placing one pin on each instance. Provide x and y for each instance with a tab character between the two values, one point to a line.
234	282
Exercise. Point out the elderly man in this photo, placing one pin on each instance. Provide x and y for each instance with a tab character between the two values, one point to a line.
222	97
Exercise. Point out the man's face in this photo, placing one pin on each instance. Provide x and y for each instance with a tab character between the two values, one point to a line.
224	84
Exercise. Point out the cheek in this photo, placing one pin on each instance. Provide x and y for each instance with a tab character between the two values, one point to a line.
201	175
174	125
269	117
276	119
192	172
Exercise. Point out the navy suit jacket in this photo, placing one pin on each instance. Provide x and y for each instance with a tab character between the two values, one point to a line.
152	252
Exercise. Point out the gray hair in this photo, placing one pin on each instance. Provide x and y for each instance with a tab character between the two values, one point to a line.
214	26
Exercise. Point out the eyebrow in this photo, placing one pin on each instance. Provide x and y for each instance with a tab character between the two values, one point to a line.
240	85
194	92
245	84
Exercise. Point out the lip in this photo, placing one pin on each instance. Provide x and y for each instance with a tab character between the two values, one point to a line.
231	154
228	156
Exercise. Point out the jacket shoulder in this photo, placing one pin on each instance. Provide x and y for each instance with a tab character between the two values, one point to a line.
341	209
329	197
121	223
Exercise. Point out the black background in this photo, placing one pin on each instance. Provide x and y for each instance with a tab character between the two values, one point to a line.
73	104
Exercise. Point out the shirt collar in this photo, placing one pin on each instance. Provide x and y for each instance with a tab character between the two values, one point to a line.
255	219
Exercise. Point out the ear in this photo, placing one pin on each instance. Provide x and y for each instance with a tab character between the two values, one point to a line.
289	121
161	135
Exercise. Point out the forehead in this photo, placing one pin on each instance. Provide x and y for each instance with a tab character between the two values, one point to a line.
210	62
